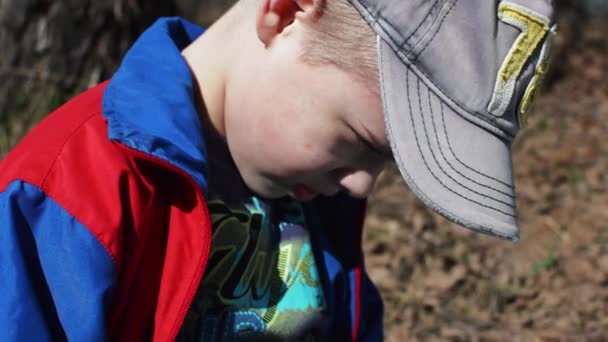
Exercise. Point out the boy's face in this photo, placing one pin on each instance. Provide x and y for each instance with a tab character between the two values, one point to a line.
301	130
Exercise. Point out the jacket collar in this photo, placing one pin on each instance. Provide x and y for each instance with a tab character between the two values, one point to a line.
149	103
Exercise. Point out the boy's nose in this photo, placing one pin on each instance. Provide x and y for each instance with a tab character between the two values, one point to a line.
359	183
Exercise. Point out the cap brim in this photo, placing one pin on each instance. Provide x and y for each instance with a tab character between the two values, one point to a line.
456	167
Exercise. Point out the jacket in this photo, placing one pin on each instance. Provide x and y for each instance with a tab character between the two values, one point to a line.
104	228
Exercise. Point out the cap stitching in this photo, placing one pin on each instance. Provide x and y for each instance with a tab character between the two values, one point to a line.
381	24
407	61
442	169
475	114
374	18
447	160
415	57
384	24
453	217
458	159
427	165
419	25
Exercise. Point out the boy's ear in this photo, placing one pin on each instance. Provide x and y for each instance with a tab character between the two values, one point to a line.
275	15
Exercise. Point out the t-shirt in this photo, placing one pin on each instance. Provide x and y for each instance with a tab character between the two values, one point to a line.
261	281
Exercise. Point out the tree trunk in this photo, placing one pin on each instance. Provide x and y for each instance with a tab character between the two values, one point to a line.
50	50
203	12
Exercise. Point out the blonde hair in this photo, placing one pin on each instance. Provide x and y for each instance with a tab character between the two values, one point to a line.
341	37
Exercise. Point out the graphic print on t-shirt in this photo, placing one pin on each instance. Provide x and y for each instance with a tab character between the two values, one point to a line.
261	280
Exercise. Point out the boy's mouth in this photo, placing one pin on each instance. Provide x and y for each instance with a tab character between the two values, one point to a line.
303	193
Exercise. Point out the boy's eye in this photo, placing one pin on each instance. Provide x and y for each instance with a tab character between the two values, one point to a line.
382	153
364	144
371	148
368	146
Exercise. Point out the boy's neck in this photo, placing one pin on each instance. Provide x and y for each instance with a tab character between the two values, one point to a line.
212	57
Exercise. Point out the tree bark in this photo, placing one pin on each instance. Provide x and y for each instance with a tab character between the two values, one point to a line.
51	49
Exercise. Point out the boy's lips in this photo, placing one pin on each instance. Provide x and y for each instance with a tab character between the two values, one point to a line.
304	193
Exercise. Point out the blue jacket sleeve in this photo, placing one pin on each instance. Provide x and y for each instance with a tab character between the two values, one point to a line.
55	277
354	304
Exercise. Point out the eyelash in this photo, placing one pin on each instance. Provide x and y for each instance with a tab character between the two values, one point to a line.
366	145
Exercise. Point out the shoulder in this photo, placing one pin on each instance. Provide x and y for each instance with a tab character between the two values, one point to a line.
34	157
69	157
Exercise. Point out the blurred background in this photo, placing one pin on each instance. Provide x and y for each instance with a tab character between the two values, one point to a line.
439	282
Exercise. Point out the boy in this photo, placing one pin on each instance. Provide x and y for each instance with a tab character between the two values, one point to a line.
181	199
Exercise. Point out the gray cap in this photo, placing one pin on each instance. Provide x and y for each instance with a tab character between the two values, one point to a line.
458	77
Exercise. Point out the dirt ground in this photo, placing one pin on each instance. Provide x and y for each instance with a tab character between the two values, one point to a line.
441	282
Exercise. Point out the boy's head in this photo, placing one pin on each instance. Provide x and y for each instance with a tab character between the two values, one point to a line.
322	88
299	118
341	37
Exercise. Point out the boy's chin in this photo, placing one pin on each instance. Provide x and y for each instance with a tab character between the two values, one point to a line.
268	191
303	193
299	192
